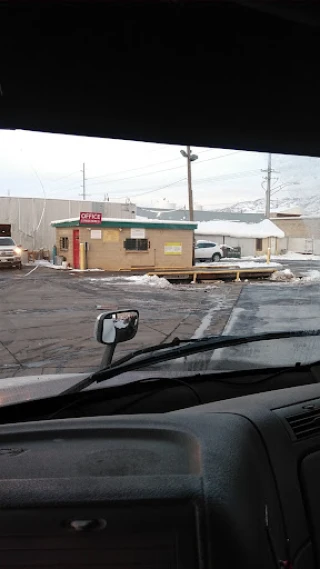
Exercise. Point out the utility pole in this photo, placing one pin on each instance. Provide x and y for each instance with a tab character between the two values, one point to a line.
83	181
190	158
268	191
268	179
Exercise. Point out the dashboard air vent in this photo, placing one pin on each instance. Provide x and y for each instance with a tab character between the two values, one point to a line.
306	424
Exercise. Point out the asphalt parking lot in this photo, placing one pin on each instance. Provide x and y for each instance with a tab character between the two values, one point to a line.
47	317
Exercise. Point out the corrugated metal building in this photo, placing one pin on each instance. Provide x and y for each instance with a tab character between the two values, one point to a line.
31	218
199	215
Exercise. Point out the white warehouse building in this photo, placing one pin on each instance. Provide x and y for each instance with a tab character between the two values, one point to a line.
253	238
30	218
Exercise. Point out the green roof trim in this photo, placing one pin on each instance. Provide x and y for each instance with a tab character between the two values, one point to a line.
126	224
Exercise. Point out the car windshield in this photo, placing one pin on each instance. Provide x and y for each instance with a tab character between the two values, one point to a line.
104	225
6	241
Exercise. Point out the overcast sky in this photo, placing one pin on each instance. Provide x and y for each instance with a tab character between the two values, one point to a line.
38	164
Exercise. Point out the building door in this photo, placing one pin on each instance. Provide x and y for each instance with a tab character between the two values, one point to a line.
273	245
308	246
76	249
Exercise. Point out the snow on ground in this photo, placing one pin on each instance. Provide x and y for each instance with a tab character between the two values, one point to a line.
86	270
43	263
153	281
241	264
49	265
311	275
291	256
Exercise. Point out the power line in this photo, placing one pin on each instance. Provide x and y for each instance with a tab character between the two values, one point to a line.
217	157
143	167
163	170
133	169
63	177
148	191
223	177
232	176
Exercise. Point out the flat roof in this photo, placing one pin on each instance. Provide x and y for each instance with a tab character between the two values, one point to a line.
113	222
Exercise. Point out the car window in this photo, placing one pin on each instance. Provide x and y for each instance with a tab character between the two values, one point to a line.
6	241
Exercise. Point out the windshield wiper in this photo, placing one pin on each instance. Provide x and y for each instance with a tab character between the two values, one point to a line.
174	350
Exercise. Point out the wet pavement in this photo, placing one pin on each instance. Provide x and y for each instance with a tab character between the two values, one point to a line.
262	308
300	267
47	317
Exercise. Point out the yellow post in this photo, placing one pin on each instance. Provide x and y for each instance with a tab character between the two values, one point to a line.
82	257
268	255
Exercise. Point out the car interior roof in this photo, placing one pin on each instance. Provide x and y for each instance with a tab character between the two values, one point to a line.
222	74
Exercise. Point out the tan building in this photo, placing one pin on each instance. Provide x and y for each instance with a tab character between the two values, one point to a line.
302	234
123	244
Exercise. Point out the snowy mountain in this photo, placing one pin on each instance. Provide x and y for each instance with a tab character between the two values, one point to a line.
309	204
300	178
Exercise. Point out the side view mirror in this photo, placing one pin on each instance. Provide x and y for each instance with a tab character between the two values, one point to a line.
114	327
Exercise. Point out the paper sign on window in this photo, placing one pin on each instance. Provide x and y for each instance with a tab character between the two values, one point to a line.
173	248
95	233
137	233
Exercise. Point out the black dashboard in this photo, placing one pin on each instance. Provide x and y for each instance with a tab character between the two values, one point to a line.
228	484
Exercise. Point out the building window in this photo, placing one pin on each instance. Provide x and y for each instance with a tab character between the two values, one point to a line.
136	244
64	243
259	244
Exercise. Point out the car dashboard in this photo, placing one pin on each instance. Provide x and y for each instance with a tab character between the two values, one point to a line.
228	484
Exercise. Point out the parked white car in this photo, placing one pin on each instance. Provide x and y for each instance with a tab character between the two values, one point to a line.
207	251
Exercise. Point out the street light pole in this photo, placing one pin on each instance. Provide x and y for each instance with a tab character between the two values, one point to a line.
190	158
191	216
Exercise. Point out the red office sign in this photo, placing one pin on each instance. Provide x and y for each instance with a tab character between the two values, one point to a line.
90	217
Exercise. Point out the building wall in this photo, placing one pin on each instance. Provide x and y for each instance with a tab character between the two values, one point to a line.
67	232
305	228
109	253
30	218
300	245
248	246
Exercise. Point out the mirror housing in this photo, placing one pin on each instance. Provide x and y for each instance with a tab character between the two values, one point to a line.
114	327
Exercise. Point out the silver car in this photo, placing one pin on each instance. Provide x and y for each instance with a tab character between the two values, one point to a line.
10	254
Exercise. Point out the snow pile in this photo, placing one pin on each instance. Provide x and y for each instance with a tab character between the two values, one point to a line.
47	264
228	228
311	275
86	270
154	281
285	275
